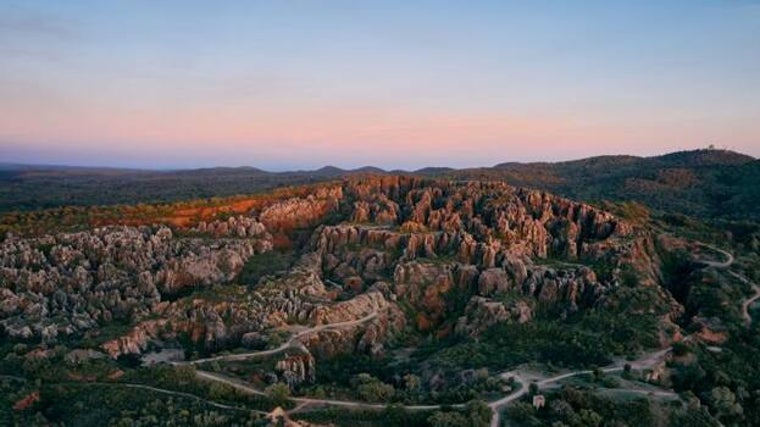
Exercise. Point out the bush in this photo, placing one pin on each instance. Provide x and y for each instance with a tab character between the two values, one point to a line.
264	264
278	393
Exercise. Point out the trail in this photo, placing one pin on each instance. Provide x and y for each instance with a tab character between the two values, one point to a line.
726	264
749	301
643	363
541	381
181	394
305	401
717	264
291	342
523	379
496	406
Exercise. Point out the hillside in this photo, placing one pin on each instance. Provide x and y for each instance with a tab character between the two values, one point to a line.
382	300
703	183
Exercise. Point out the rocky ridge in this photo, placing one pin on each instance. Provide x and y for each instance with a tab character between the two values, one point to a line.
414	251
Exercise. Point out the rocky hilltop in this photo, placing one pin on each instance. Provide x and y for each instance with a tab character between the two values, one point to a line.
438	257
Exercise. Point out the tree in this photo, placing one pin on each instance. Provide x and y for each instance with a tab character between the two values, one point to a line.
448	419
479	413
723	400
627	371
522	412
279	393
218	391
394	414
372	389
598	374
533	389
561	408
681	349
319	392
412	382
376	391
185	373
590	418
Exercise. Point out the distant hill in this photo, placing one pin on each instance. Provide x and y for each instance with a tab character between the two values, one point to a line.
706	183
434	170
336	172
369	170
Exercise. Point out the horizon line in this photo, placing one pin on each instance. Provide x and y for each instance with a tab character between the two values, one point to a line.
9	165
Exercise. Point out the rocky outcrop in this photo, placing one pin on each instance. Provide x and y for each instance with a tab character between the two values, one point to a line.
79	356
72	282
482	313
377	210
345	311
235	226
301	212
425	287
364	337
136	341
494	280
296	369
486	251
573	285
246	318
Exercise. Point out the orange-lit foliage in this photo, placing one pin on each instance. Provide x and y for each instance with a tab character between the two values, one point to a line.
180	214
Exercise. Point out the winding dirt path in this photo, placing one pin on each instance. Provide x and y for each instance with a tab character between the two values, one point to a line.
726	264
496	406
717	264
523	379
305	401
749	301
291	342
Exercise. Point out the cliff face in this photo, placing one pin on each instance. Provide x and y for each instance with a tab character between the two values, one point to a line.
437	256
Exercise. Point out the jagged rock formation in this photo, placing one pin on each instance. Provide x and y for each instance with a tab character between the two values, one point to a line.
435	248
297	369
482	313
236	226
246	318
479	240
302	212
72	282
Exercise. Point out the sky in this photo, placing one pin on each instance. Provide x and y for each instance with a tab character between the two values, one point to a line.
397	84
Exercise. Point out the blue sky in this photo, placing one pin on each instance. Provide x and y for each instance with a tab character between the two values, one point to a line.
287	84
